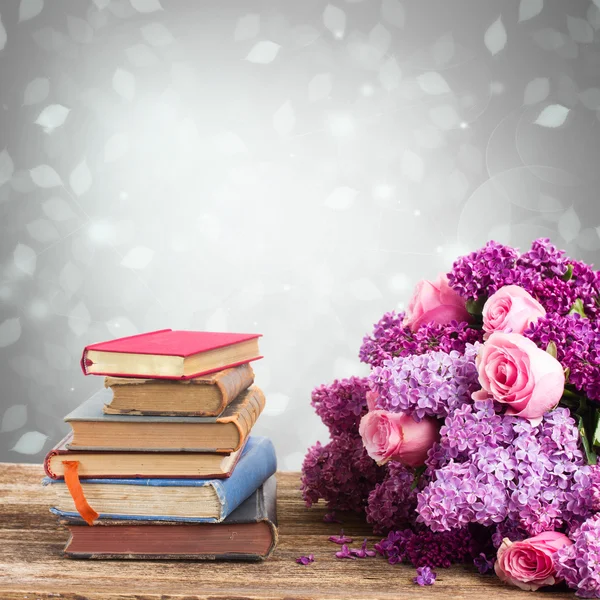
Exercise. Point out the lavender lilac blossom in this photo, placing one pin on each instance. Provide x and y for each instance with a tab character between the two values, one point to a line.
425	576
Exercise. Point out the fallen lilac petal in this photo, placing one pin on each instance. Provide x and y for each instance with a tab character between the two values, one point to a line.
344	553
362	552
340	539
425	576
306	560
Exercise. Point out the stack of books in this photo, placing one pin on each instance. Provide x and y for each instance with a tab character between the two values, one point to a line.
160	463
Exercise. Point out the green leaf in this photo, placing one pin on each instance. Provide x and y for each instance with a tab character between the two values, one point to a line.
552	350
578	308
587	448
418	472
568	274
475	307
596	436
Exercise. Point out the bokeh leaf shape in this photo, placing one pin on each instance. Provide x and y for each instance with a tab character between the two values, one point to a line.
53	116
79	319
393	12
43	231
529	9
284	119
123	83
380	38
37	91
263	53
390	74
3	37
537	90
433	83
445	116
146	6
141	56
569	225
28	9
7	167
25	259
580	30
116	147
70	278
553	115
319	87
590	98
80	179
247	27
443	49
412	166
10	332
45	176
31	442
14	418
58	209
101	4
138	258
495	37
156	34
334	19
79	30
341	198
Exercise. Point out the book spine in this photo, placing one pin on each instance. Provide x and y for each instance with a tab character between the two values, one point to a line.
247	414
233	382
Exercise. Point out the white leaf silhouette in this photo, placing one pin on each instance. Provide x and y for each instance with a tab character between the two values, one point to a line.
116	147
393	12
445	116
537	90
123	83
141	56
380	38
529	9
79	319
79	30
31	442
156	34
554	115
569	225
45	176
137	258
70	278
443	49
25	259
7	167
14	418
284	119
319	87
81	178
433	83
495	37
412	166
341	198
146	6
10	332
580	30
334	19
590	98
29	9
36	91
101	4
247	27
230	143
390	74
57	209
42	231
53	116
263	53
2	35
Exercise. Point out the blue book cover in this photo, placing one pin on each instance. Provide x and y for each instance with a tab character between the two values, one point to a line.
256	465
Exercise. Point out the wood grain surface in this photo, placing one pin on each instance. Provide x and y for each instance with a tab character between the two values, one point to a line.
32	565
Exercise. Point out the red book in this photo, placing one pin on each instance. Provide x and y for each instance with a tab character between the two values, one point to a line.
168	354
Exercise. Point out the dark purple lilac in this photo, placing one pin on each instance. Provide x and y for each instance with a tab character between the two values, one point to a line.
484	564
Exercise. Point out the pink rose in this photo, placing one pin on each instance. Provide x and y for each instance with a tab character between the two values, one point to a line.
515	372
435	302
396	436
529	564
372	398
511	309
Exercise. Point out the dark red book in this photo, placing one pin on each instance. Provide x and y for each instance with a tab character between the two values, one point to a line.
169	354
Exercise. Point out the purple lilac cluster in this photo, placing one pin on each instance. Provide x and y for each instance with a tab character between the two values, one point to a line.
341	404
488	468
392	502
392	339
543	259
577	342
341	473
579	564
424	548
433	384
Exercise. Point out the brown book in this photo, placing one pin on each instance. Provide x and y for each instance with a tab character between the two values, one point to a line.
248	533
94	430
202	397
109	465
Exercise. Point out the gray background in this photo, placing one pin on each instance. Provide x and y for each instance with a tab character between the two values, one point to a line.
290	168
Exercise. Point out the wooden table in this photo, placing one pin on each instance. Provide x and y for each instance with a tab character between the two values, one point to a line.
32	565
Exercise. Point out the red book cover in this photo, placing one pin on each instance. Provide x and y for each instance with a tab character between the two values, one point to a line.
169	342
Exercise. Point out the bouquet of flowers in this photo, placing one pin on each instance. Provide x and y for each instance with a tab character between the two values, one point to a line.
474	437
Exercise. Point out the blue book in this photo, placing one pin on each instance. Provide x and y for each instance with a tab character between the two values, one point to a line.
180	500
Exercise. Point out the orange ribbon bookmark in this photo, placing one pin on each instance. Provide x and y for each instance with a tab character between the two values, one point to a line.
87	513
